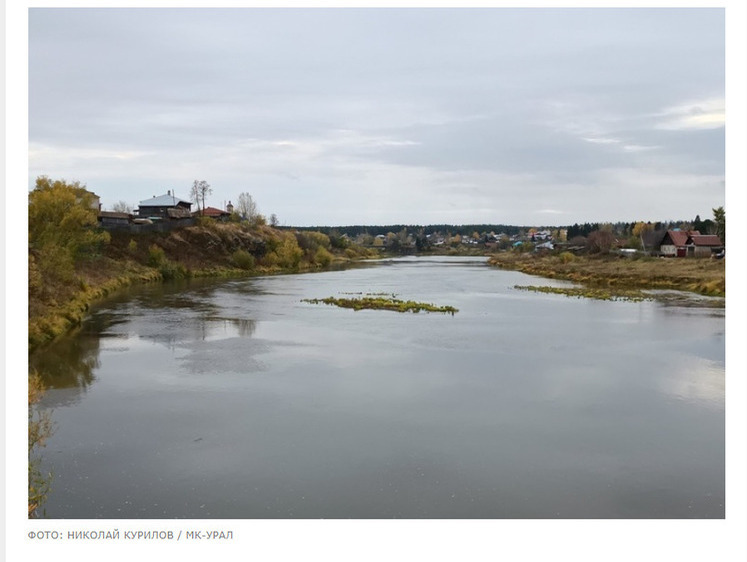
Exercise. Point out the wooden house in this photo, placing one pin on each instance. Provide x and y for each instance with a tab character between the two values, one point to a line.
674	243
167	206
111	219
683	243
214	213
703	245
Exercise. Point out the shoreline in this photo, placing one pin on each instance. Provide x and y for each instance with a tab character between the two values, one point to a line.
43	330
705	277
104	277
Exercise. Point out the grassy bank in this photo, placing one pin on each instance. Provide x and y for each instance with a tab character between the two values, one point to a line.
702	276
59	298
62	306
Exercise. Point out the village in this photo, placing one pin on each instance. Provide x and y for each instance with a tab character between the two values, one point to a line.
167	212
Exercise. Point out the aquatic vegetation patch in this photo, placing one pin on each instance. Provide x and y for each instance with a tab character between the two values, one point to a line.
377	302
590	293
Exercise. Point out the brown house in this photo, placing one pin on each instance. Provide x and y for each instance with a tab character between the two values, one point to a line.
674	243
165	207
214	213
684	243
112	219
703	245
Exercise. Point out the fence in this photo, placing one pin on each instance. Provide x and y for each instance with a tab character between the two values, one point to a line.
159	226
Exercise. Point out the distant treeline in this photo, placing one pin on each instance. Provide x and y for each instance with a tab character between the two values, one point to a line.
704	226
375	230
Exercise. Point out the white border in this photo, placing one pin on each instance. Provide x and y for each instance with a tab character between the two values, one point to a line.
722	540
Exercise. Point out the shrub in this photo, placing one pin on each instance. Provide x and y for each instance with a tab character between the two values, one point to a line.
132	246
258	220
566	257
207	222
170	270
270	259
156	256
310	241
288	253
323	257
243	259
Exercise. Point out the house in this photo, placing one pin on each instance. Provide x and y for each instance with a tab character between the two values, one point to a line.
167	206
214	213
683	243
674	243
652	240
703	245
95	200
110	219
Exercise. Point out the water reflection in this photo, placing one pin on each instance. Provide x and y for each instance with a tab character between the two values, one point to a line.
245	327
697	381
68	362
40	427
251	404
71	362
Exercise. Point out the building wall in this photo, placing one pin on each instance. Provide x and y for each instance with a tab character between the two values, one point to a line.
703	251
161	226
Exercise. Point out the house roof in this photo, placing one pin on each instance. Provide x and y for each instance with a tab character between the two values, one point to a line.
654	237
163	201
706	240
679	237
213	212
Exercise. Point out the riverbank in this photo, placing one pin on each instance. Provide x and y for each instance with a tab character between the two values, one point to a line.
702	276
59	302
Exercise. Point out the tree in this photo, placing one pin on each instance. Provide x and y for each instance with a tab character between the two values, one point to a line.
600	241
122	207
698	225
247	208
274	220
200	189
640	229
63	215
63	221
719	218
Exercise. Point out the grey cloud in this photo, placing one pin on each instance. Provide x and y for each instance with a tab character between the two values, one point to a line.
556	97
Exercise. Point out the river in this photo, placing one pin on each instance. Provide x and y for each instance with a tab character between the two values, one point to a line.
236	399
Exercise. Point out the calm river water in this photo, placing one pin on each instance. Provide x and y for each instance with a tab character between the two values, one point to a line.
235	399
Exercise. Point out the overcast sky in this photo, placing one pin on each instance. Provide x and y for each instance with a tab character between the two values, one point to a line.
384	116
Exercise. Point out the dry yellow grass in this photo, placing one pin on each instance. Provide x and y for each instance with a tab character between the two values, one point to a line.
703	276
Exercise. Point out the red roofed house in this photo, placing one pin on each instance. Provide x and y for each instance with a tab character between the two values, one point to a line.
703	245
214	213
684	243
674	243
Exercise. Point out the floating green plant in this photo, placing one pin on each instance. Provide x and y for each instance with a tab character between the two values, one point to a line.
590	293
381	303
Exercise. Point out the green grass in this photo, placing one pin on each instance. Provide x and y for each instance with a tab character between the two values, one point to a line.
380	303
589	292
